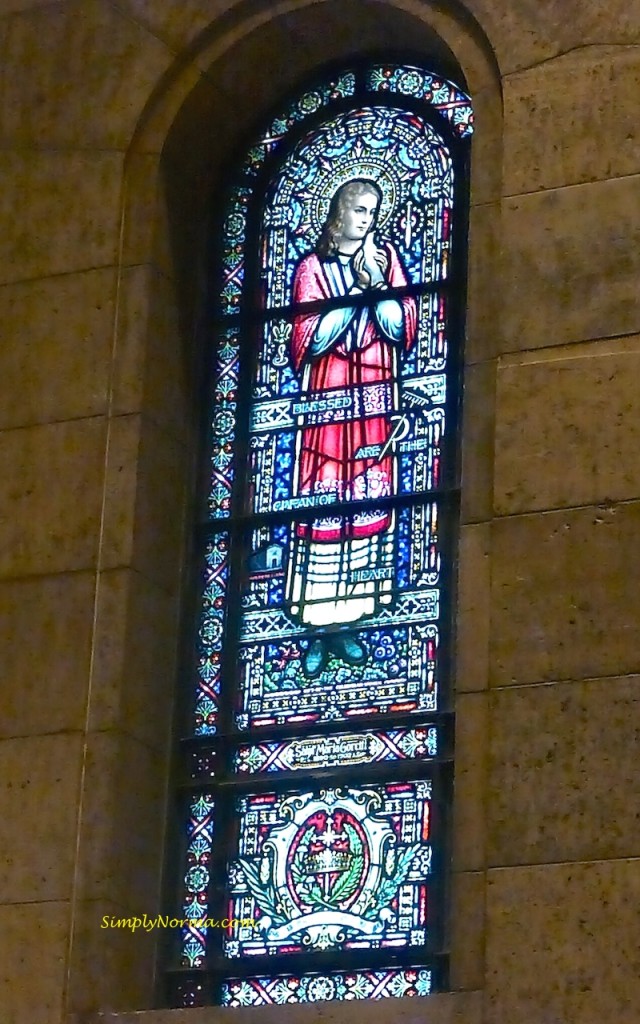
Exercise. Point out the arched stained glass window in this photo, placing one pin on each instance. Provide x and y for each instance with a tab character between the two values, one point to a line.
316	768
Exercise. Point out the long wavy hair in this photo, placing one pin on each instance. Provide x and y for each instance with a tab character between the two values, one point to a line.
341	201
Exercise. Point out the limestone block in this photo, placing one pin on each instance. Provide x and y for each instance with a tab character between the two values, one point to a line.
445	1008
564	595
618	22
91	72
8	7
4	27
518	34
121	482
54	362
177	23
153	371
483	319
69	212
146	477
529	33
40	778
478	418
122	812
472	617
134	658
572	119
466	970
164	475
50	492
45	647
169	377
568	426
571	264
469	817
28	931
486	145
563	779
110	968
563	944
146	234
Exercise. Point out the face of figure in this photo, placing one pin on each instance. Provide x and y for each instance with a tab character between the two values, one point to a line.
359	216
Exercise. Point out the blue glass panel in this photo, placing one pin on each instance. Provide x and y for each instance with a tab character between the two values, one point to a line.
342	868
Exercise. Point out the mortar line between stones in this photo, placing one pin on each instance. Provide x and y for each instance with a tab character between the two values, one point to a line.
565	53
569	184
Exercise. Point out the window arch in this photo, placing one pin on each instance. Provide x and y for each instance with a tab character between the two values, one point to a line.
316	769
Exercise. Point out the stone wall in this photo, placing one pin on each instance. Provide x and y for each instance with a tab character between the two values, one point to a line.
117	120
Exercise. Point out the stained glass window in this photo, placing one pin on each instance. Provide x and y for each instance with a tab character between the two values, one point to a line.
316	759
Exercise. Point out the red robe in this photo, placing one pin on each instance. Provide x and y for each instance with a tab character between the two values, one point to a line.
328	449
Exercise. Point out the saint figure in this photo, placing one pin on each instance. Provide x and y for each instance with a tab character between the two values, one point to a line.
341	567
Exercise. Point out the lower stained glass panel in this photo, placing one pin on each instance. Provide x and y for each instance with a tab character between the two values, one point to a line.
313	988
342	868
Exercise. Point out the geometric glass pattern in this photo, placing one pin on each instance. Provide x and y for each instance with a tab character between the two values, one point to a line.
317	741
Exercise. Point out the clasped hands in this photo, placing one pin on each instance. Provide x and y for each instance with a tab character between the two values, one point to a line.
363	276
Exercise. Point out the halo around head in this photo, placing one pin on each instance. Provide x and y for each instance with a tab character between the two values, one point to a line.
328	183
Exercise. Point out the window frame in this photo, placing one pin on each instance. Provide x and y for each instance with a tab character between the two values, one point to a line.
228	785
